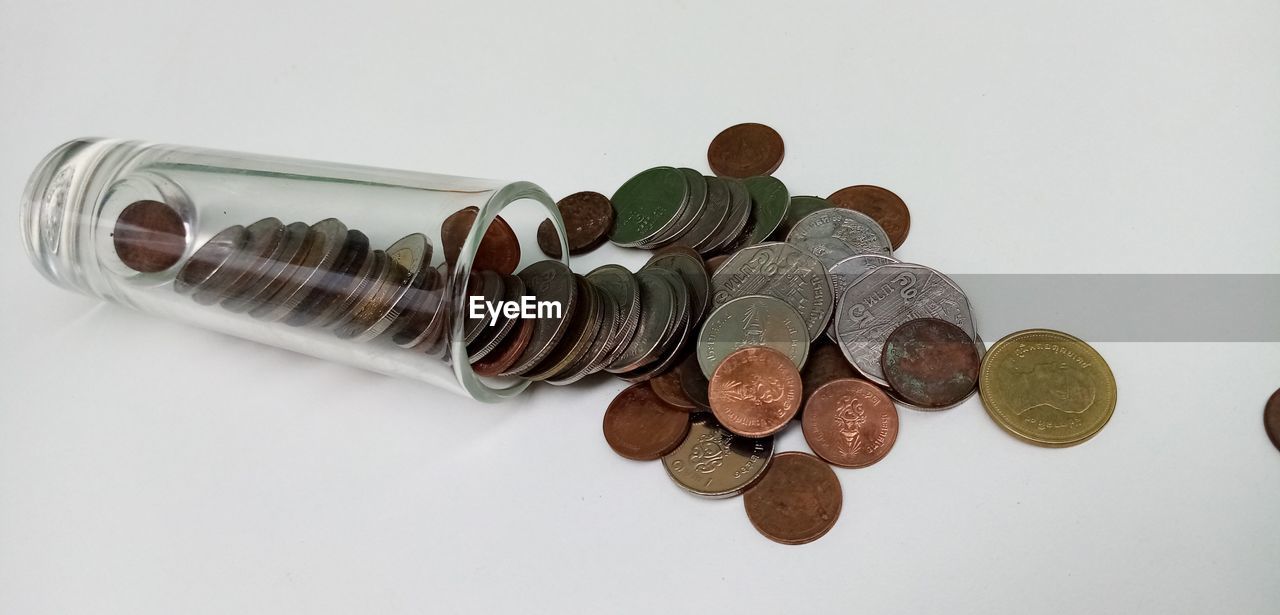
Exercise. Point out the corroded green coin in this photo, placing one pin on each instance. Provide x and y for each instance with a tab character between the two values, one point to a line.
695	204
769	201
648	204
700	236
802	206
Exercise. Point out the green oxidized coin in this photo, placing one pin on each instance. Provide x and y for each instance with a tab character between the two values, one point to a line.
769	201
647	204
802	206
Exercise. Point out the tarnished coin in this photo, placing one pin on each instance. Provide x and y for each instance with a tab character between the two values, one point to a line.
715	213
551	281
797	501
505	355
802	206
714	462
850	423
588	219
667	387
290	251
752	321
499	248
419	325
694	383
1271	418
779	270
360	285
873	306
648	204
735	222
489	288
264	239
744	150
1047	387
149	236
826	231
846	272
410	258
930	363
493	333
580	332
714	262
885	207
619	284
212	261
658	317
826	363
695	204
755	392
671	351
689	264
769	201
326	241
640	426
592	360
334	283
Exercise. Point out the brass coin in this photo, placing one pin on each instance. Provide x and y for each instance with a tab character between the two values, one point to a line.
744	150
930	363
548	281
713	462
588	219
1047	388
410	258
755	392
667	387
885	207
797	501
1271	418
499	248
640	426
149	236
360	285
850	423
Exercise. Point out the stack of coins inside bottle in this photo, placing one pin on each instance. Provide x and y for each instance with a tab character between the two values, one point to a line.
758	310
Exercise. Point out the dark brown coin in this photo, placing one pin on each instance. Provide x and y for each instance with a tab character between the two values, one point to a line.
336	282
1271	418
826	362
667	387
588	220
796	501
505	355
694	383
745	150
639	425
212	262
714	262
930	363
149	236
755	391
883	206
580	334
494	332
499	248
850	423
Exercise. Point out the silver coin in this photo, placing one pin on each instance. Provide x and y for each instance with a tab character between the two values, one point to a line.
588	363
848	271
671	349
423	303
736	221
854	229
490	287
715	213
876	304
769	202
779	270
648	205
619	284
494	333
694	206
212	261
410	258
290	250
658	316
552	281
714	462
264	239
327	238
360	285
753	320
692	270
682	305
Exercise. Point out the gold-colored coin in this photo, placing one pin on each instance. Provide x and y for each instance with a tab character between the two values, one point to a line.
1047	388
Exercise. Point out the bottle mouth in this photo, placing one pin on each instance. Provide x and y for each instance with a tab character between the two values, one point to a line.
490	389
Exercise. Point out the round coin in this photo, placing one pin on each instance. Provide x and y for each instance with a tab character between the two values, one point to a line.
499	249
327	240
829	228
695	204
494	332
580	333
797	501
850	423
264	238
883	206
658	318
588	219
693	271
505	355
212	260
640	426
1271	418
149	236
334	283
755	392
769	201
621	286
648	204
744	150
848	271
1047	387
713	462
930	363
667	387
802	206
268	273
713	215
752	321
694	383
779	270
552	281
825	364
735	221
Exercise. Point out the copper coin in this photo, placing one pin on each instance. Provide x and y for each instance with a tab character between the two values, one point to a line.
588	220
640	426
885	207
826	362
499	249
667	387
149	236
850	423
797	501
714	262
693	382
1271	418
930	363
506	354
755	391
745	150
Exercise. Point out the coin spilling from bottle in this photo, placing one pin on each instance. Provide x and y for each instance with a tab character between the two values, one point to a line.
758	310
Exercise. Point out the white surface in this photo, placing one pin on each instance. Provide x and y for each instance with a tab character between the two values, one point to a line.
150	468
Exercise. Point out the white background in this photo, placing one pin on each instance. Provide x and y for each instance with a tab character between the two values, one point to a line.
146	467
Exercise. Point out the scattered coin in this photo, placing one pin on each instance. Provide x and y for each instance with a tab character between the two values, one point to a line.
658	318
668	388
885	207
751	321
850	423
735	223
797	501
848	271
769	201
640	426
713	462
648	204
588	219
620	285
149	236
1047	388
755	392
499	249
1271	418
779	270
825	363
745	150
836	234
930	363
